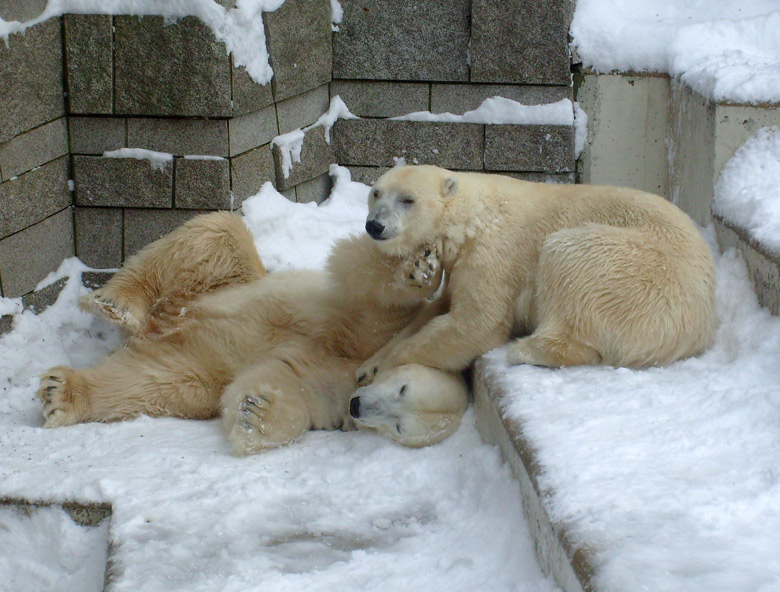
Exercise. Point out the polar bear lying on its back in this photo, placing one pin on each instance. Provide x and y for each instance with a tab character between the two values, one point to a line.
591	275
275	355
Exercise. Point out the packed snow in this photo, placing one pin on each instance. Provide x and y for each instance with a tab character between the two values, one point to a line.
43	550
669	476
333	511
727	50
747	194
239	28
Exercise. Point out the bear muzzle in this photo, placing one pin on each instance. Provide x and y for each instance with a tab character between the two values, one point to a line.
375	229
354	407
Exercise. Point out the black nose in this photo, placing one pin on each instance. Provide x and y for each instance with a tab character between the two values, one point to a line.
354	407
374	228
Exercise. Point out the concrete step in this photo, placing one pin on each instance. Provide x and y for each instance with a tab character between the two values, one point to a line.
568	564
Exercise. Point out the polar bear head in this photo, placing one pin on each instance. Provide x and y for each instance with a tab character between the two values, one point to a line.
405	205
413	405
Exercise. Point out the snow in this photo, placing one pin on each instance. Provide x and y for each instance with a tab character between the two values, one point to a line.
43	550
501	110
336	15
157	160
291	143
727	50
240	28
334	511
747	194
668	475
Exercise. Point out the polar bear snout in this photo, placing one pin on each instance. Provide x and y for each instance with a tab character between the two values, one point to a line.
375	229
354	407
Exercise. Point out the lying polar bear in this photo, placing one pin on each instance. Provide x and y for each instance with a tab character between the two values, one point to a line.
590	275
275	355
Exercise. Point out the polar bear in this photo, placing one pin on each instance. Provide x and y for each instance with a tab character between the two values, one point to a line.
586	274
211	334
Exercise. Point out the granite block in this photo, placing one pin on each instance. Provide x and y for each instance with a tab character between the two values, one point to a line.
459	98
96	135
41	299
31	96
179	137
366	174
316	157
382	99
33	196
303	109
122	182
315	190
298	36
251	130
21	10
382	142
145	226
248	95
30	255
541	148
249	171
34	148
186	70
98	233
202	184
520	41
89	63
391	40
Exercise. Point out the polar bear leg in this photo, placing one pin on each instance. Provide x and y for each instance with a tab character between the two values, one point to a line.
209	251
265	407
128	383
552	351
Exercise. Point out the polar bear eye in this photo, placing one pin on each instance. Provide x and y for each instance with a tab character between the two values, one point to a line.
407	201
375	194
402	391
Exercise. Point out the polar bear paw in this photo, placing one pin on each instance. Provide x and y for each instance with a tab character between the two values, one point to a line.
114	308
421	269
59	400
266	419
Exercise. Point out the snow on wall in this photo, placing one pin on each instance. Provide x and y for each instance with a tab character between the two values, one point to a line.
727	50
240	28
747	194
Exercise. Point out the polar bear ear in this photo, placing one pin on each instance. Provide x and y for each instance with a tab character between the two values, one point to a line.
450	186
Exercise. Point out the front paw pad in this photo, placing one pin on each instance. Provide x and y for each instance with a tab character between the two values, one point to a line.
421	270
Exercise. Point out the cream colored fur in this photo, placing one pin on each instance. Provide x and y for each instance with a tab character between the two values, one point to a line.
212	334
412	405
591	275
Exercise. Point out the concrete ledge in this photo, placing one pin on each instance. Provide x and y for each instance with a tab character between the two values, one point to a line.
569	566
763	266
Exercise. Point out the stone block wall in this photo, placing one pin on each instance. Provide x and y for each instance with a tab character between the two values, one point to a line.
188	100
101	83
391	58
36	228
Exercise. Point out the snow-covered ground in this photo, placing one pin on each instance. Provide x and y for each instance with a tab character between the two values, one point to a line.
724	49
670	476
747	194
334	511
